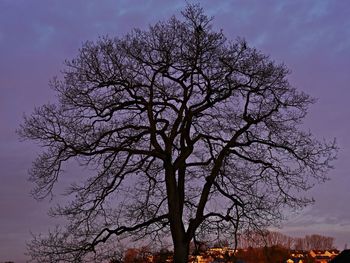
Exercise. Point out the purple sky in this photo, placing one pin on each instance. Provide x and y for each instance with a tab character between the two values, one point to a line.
311	37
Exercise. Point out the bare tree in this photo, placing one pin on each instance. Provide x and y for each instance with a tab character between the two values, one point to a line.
316	242
273	238
319	242
186	131
299	244
264	239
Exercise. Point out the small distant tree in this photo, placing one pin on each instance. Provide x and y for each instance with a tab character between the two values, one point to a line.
221	243
299	244
117	256
137	255
162	256
132	256
185	134
198	247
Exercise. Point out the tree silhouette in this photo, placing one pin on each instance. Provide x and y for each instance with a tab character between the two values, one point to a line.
186	131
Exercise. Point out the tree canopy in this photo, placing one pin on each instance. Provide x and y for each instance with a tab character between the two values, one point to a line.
187	133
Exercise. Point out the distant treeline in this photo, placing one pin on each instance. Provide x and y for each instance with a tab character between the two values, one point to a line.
266	246
270	238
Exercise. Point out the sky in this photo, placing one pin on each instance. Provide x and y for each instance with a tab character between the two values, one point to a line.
311	37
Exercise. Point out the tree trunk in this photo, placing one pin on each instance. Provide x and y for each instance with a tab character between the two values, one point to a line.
181	250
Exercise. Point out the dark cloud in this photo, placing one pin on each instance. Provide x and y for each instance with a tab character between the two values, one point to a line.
311	37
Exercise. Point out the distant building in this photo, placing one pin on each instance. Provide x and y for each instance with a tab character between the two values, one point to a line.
323	256
298	256
317	256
